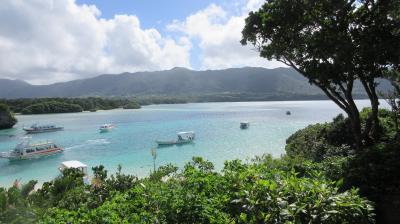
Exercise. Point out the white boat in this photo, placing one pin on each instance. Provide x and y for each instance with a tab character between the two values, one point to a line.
244	125
106	127
75	164
26	150
35	128
183	138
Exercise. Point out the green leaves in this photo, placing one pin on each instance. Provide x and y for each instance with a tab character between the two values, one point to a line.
7	119
240	194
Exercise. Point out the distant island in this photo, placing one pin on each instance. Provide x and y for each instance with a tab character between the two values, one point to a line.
67	105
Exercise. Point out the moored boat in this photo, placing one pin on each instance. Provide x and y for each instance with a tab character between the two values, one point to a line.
35	128
106	127
183	138
244	125
26	150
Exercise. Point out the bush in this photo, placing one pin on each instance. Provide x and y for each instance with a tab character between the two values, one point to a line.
14	205
319	141
242	193
375	170
7	119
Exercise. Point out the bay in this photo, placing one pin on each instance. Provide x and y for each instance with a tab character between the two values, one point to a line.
218	136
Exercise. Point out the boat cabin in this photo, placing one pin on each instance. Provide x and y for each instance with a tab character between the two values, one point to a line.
244	125
35	128
48	126
186	135
26	150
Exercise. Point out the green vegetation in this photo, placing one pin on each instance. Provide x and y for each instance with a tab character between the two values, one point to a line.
160	99
262	191
132	105
64	105
332	44
375	170
52	107
393	97
7	119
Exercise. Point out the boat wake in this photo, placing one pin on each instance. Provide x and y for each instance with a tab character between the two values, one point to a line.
100	141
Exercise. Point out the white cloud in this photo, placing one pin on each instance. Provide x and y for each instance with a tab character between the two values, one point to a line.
44	41
252	5
219	37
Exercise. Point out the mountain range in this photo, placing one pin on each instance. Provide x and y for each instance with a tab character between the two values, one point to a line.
176	82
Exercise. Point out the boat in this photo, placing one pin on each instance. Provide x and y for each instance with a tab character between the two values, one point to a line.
183	138
106	127
35	128
75	164
288	112
244	125
26	150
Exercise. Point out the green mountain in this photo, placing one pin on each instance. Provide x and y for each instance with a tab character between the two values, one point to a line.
278	84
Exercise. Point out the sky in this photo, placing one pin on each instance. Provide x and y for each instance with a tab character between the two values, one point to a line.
48	41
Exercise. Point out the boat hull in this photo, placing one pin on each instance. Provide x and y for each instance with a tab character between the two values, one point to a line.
102	130
34	155
179	142
33	131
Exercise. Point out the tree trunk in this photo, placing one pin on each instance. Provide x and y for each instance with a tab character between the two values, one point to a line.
341	95
372	127
354	116
356	129
375	129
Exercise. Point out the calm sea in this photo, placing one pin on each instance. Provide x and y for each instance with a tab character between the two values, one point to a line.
218	136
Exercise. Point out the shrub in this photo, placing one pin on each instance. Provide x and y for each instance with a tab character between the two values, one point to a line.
241	193
318	141
7	119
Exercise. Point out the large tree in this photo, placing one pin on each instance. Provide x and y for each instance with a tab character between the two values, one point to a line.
325	42
376	32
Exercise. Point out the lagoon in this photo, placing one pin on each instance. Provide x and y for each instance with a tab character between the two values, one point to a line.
218	136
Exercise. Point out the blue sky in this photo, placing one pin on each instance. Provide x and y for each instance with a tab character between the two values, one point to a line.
159	13
152	13
47	41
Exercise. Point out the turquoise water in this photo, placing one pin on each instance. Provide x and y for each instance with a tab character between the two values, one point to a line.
218	136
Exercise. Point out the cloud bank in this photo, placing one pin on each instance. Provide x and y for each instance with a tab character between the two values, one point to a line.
46	41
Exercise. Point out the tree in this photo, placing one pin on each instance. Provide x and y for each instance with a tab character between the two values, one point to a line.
325	42
377	36
392	97
7	119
